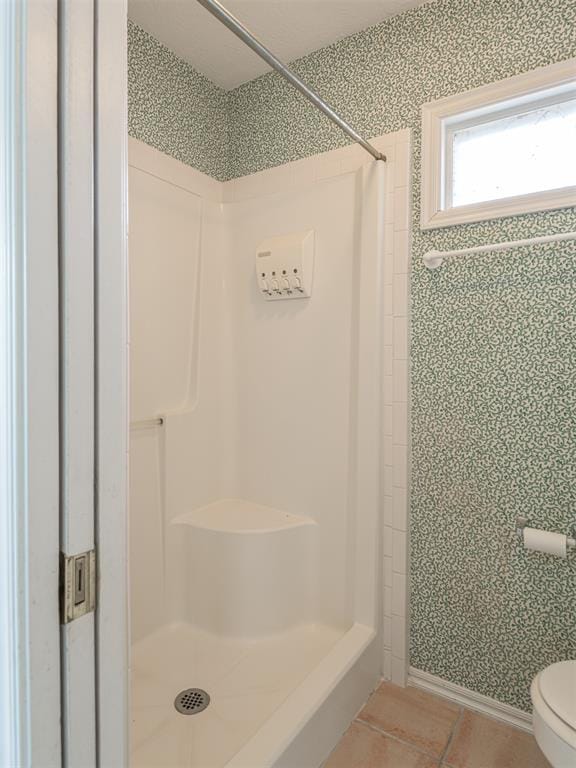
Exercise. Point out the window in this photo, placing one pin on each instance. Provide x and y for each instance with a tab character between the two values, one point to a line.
503	149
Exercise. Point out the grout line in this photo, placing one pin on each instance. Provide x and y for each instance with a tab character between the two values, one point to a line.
395	738
452	734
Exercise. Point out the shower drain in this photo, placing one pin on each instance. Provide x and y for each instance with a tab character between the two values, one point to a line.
191	701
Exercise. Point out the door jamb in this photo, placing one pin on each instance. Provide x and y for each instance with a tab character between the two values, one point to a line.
111	426
29	384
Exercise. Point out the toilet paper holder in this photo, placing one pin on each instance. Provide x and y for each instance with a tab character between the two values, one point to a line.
522	522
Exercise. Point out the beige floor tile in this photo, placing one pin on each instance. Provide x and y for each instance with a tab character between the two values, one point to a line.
481	742
362	747
413	716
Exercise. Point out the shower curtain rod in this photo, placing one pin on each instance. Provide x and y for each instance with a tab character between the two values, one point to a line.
230	21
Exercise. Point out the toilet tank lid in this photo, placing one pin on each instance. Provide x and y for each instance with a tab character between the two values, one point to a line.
558	689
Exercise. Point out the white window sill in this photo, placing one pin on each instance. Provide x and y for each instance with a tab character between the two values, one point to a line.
497	209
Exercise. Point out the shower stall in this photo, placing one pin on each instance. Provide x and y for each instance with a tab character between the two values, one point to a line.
254	459
255	430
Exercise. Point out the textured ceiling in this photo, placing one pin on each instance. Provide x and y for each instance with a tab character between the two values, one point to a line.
290	28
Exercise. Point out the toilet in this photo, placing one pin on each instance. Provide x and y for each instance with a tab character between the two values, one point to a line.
553	695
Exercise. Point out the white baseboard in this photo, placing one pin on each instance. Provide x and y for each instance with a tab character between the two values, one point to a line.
470	699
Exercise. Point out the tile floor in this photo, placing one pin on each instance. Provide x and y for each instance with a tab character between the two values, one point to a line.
409	728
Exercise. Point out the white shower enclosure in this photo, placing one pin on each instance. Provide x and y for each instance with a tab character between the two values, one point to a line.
254	515
255	461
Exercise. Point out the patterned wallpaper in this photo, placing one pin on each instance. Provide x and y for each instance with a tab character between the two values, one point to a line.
173	107
493	340
379	78
493	437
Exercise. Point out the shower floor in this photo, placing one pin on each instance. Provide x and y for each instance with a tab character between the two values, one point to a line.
247	680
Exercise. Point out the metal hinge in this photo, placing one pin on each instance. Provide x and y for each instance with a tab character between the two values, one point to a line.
77	585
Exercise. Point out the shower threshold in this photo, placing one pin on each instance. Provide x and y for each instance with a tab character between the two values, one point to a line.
246	679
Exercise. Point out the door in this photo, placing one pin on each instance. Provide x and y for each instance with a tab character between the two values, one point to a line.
63	684
93	353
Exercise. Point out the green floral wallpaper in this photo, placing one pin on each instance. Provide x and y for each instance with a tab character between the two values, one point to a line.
379	78
173	107
493	436
493	339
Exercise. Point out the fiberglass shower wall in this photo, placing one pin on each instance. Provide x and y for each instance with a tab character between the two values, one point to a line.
295	374
175	372
259	399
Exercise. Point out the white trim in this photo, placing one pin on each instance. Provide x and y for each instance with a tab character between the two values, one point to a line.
111	225
11	728
39	524
521	89
470	699
76	236
29	474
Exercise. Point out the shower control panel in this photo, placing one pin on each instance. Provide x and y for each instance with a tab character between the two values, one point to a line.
285	266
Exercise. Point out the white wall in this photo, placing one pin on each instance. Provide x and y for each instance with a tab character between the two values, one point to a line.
164	268
165	222
294	363
175	363
260	398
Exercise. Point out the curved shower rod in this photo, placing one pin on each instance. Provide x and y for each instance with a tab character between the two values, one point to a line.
230	21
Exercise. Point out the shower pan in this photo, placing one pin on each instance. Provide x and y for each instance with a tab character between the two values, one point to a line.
254	463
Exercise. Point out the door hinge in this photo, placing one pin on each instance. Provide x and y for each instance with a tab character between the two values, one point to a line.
77	585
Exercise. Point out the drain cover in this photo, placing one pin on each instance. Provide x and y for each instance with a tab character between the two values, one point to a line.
191	701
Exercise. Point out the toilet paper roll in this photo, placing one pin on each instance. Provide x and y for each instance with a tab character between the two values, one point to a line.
545	541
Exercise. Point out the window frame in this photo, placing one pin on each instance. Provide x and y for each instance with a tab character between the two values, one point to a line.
440	120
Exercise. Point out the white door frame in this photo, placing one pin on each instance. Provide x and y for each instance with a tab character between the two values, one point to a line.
94	338
49	673
111	206
29	428
77	364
